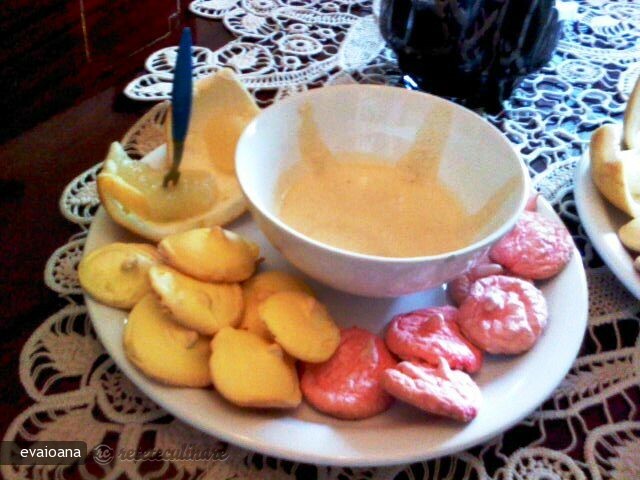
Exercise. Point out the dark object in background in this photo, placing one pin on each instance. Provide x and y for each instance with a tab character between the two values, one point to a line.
54	53
11	190
474	50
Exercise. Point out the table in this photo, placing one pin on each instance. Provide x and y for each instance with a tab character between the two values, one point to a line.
56	375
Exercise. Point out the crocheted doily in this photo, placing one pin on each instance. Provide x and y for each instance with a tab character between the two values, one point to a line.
589	428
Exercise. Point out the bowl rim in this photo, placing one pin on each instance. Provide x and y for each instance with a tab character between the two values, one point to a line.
485	241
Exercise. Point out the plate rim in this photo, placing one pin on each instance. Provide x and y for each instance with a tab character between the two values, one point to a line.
368	460
591	207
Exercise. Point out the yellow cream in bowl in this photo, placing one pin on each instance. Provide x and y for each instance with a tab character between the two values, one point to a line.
362	203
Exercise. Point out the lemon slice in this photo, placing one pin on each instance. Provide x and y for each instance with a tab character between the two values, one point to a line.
208	193
137	186
132	193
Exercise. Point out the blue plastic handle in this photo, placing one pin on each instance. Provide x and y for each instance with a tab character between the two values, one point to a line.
182	92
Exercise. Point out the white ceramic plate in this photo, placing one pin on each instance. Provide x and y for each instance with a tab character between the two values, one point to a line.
601	221
512	387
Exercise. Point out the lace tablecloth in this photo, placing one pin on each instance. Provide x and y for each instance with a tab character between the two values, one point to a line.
589	428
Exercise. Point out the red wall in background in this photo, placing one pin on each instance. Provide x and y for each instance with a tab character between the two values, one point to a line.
56	52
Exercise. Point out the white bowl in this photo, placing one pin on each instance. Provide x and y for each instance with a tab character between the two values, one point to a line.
476	161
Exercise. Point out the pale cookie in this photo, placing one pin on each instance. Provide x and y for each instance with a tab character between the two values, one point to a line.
164	350
259	288
211	254
536	248
201	306
116	274
437	390
301	325
347	385
252	372
458	288
430	334
503	315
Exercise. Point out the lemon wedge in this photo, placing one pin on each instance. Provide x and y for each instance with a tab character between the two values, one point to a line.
221	109
208	193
